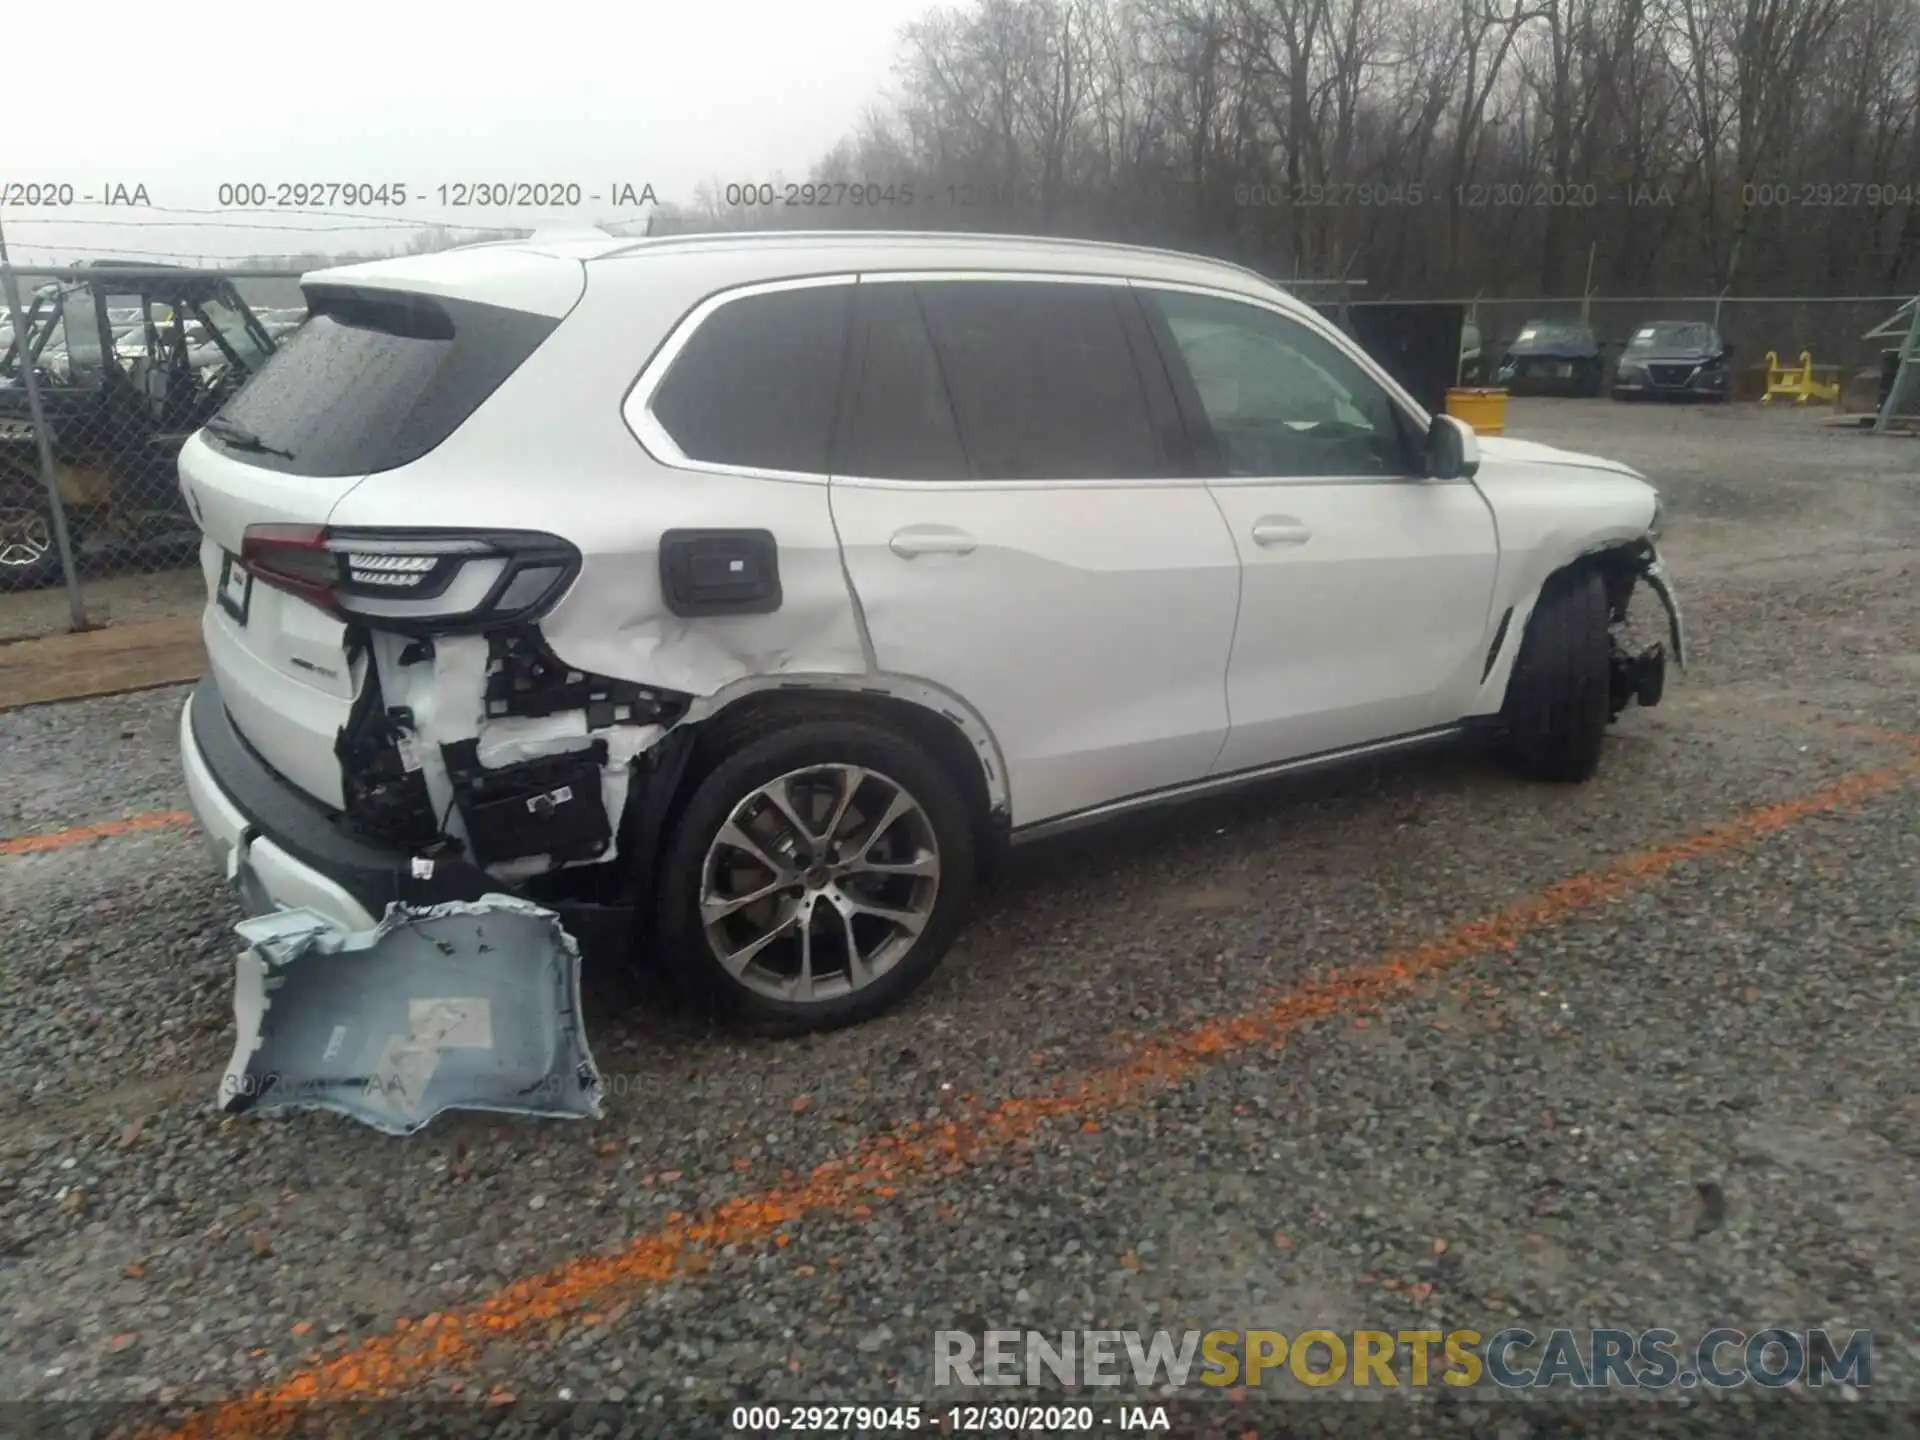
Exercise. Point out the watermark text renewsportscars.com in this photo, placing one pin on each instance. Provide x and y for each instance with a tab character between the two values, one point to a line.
1514	1358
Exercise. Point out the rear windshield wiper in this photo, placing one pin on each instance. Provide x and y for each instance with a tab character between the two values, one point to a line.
241	438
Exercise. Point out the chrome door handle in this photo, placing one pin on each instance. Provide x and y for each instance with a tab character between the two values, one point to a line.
930	540
1280	530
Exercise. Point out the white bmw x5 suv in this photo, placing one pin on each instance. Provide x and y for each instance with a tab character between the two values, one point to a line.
741	597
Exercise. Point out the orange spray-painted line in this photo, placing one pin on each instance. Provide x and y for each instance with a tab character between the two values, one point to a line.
81	834
1880	732
388	1363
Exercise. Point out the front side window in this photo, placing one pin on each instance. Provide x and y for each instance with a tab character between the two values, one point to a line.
1279	398
755	385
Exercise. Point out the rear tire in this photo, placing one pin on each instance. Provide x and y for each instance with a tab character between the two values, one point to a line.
825	909
1558	701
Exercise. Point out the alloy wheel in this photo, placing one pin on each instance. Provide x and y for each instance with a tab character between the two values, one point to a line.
819	882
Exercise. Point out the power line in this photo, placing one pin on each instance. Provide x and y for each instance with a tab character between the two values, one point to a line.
250	225
116	251
230	211
231	214
516	232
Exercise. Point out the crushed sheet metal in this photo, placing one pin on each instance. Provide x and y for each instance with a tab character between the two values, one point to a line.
471	1005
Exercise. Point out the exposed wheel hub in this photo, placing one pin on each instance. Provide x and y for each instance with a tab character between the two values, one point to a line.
1638	675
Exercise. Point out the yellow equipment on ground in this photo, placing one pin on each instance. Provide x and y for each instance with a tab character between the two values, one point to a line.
1798	383
1485	410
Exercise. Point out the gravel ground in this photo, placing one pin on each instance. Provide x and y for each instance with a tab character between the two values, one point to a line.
107	600
1687	1102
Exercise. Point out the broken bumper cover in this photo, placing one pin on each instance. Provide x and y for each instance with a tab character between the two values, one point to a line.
1661	583
282	849
462	1006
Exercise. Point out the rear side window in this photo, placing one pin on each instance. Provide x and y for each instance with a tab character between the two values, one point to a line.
1042	380
374	380
902	425
756	384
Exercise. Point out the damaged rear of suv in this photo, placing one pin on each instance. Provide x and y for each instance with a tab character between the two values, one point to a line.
738	597
456	614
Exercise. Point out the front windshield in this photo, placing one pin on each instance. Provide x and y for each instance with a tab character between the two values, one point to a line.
39	316
232	324
1689	335
1554	332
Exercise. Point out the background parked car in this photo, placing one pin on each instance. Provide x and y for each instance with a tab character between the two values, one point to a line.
1553	357
1674	357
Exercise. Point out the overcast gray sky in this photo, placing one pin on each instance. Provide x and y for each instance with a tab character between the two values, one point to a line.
662	92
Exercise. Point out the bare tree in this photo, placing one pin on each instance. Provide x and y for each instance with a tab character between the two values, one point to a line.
1657	133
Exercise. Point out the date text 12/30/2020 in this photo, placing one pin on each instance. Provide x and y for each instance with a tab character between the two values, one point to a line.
953	1420
878	194
1383	194
449	195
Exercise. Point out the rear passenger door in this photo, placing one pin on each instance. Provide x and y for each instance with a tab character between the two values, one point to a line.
1010	502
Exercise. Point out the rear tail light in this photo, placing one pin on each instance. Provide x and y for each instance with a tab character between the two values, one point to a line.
424	581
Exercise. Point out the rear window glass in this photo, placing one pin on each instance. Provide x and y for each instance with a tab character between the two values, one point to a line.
757	383
374	381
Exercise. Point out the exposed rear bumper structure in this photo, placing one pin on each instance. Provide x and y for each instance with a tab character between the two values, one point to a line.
284	850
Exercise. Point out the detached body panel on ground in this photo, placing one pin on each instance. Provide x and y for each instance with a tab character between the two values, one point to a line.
741	597
455	1006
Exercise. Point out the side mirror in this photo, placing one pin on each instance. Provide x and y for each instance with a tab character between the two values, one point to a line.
1453	451
1726	350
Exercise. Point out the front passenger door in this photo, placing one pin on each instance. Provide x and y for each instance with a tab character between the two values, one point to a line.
1365	587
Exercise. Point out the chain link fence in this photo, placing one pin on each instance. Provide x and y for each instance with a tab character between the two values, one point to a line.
105	370
1832	330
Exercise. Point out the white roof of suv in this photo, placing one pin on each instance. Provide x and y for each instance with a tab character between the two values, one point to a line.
507	268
